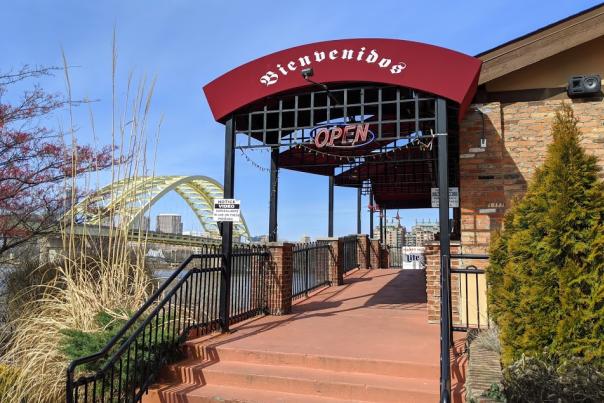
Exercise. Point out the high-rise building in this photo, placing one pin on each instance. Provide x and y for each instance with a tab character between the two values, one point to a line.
394	232
142	223
169	223
422	233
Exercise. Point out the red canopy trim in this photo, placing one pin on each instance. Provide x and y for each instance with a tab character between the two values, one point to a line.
443	72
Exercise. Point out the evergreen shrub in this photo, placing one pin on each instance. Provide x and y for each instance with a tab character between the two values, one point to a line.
546	287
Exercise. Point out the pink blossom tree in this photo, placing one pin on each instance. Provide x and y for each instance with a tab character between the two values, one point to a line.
35	161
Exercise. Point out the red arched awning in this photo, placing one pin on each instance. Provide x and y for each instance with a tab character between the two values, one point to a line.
443	72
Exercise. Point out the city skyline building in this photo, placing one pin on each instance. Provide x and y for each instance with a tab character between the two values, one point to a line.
169	223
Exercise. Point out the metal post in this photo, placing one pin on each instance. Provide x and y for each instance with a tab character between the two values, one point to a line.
330	217
274	183
306	272
443	188
359	211
371	203
382	214
227	227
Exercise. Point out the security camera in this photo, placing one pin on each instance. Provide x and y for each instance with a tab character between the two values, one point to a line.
308	72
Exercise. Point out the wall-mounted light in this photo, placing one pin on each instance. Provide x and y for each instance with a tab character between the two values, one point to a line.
307	73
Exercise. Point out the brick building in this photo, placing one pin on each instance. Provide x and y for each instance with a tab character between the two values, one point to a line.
522	83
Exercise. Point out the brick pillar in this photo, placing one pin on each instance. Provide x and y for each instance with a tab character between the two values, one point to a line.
432	254
384	257
336	274
279	278
374	254
363	252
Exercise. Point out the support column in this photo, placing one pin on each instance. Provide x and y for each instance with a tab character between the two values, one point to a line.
359	198
363	252
279	279
227	227
274	189
375	261
336	272
382	213
372	204
443	200
330	217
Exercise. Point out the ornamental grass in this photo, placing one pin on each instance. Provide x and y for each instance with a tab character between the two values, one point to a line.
92	276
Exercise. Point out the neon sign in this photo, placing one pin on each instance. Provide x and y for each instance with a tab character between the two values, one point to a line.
342	135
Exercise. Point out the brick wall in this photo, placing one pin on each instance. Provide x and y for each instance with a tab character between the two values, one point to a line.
517	137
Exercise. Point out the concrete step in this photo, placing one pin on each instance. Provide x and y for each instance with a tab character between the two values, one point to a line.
322	383
323	362
229	394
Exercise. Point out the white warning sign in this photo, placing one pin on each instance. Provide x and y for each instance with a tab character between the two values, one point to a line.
227	210
453	197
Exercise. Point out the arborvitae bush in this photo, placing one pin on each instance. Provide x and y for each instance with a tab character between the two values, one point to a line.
547	264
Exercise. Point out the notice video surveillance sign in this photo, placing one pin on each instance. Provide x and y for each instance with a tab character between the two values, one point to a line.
453	197
227	210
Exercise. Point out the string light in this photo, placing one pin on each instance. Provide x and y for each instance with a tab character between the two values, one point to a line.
254	163
417	141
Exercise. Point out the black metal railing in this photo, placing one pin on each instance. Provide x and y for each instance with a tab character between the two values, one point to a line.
187	303
471	282
248	282
349	253
310	267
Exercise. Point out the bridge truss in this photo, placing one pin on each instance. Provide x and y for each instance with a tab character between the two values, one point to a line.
127	201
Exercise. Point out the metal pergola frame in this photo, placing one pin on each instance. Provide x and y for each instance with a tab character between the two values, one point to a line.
286	121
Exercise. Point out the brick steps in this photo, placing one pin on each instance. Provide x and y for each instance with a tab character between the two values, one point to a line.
230	394
238	375
331	363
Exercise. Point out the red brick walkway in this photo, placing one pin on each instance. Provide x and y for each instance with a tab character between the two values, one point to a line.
368	340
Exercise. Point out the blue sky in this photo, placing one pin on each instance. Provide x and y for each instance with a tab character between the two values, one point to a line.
186	44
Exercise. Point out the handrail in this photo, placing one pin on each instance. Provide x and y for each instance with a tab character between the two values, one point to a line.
137	314
469	256
134	356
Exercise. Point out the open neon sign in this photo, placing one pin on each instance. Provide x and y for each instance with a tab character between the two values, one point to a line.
342	135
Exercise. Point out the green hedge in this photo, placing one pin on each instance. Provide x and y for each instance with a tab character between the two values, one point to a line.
546	288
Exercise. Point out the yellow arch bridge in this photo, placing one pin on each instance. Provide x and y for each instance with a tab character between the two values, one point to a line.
127	201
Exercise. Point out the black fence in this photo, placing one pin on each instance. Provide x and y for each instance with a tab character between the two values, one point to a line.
310	267
248	282
473	288
188	301
349	253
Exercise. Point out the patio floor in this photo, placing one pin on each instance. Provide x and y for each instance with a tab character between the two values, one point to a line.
367	340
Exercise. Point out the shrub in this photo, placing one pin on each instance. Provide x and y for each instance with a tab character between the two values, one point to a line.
547	265
544	378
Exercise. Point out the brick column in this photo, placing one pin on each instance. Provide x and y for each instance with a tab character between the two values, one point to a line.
432	254
279	278
363	252
374	254
384	257
336	274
